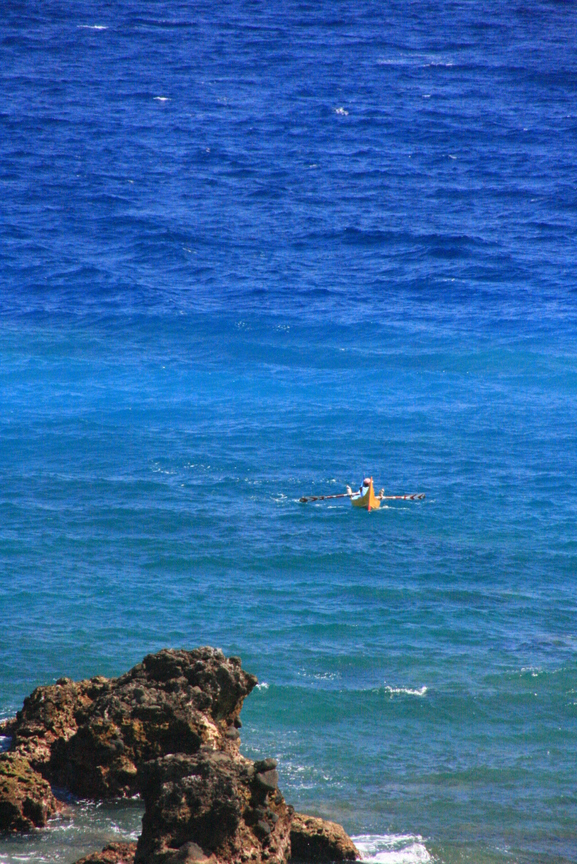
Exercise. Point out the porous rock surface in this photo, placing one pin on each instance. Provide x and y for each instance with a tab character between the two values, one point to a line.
167	729
212	805
26	799
315	839
114	853
89	737
50	714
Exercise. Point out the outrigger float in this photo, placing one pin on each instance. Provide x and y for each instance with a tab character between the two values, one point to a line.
367	500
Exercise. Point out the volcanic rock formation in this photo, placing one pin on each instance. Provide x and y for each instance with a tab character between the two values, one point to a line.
167	729
114	853
315	839
212	804
26	799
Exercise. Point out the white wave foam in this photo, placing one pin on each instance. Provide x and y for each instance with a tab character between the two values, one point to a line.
398	61
319	676
424	61
392	848
342	111
92	27
162	99
407	691
263	686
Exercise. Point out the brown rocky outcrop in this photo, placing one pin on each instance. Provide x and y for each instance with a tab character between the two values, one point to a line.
172	702
89	737
48	715
168	729
26	799
114	853
212	805
315	840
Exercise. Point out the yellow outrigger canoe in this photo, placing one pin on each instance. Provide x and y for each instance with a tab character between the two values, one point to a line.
368	501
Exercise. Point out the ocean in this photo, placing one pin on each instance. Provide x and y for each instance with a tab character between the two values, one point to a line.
254	251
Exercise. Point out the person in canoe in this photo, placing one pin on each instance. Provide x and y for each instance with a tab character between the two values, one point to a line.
366	497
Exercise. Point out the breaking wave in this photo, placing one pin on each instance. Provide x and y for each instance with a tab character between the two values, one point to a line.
392	848
406	691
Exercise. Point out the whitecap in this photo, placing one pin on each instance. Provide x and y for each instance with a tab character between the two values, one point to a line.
342	111
319	676
407	691
392	848
399	61
424	61
162	98
263	686
534	670
92	27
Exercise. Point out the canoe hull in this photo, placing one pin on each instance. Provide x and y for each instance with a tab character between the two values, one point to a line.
368	501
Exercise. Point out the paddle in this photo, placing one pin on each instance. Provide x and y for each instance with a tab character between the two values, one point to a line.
416	497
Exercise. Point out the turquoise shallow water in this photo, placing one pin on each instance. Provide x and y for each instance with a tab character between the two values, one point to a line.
343	244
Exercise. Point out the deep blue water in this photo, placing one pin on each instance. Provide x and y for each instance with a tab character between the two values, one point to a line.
256	251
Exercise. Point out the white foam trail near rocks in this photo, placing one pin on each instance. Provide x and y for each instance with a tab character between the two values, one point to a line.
392	848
